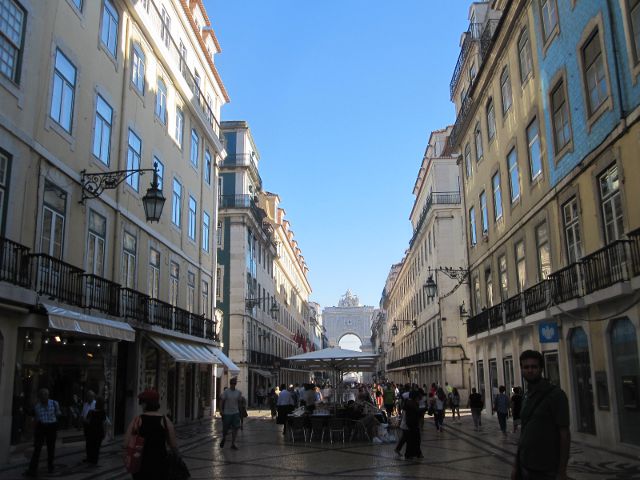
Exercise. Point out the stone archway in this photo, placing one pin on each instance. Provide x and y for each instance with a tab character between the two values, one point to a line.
345	341
349	318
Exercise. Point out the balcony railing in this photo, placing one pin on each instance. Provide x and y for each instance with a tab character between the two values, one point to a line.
486	40
495	316
134	304
461	122
160	313
442	198
101	294
56	279
210	332
236	201
617	262
243	160
14	263
470	36
428	356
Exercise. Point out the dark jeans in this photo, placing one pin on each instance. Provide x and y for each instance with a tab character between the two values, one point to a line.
45	432
94	441
438	418
531	475
502	420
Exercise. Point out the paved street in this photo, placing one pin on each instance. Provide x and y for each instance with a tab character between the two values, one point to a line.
458	453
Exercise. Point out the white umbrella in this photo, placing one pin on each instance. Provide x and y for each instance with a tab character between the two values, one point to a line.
336	359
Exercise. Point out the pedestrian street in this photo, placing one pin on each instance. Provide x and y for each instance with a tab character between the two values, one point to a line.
457	453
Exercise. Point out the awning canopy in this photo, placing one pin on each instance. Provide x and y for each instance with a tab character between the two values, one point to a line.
337	359
186	352
70	321
226	361
262	373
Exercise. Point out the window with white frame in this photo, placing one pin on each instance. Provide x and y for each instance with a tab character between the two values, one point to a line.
572	237
62	96
204	299
102	132
611	204
174	280
524	56
503	277
491	120
544	252
206	221
138	68
109	32
594	72
12	33
484	218
478	141
520	265
549	13
191	291
497	196
96	235
129	244
560	117
183	58
176	203
179	134
514	175
195	143
165	27
134	152
193	207
153	288
476	294
505	90
207	166
467	160
53	220
472	226
160	171
161	101
488	283
535	156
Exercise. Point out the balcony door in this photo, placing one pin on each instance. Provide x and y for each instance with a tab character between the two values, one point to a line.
51	238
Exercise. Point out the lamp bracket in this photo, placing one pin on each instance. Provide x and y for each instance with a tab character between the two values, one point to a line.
94	183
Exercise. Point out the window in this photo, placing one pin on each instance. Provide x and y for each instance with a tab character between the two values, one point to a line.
62	97
206	221
477	300
611	204
505	90
191	291
193	206
204	300
478	139
504	279
514	175
137	70
207	167
594	73
129	260
571	220
195	141
4	186
549	13
12	27
634	14
524	56
179	126
491	120
109	32
165	28
473	71
161	101
53	220
535	159
160	170
544	254
154	273
560	117
488	282
497	197
174	279
134	151
472	226
78	4
219	283
95	243
484	219
102	132
219	234
467	160
176	203
520	265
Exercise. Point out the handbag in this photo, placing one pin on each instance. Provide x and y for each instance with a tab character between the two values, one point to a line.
134	449
177	468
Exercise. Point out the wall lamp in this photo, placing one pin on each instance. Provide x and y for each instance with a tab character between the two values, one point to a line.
394	329
463	311
381	349
431	287
93	184
250	303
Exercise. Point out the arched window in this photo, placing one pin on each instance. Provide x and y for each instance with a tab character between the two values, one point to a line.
583	388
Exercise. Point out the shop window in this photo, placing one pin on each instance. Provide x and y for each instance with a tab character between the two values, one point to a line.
583	388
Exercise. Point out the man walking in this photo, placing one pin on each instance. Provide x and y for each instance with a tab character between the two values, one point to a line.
88	406
476	404
543	450
501	407
230	409
46	413
286	405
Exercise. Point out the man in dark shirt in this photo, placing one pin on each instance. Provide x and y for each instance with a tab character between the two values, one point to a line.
543	450
476	404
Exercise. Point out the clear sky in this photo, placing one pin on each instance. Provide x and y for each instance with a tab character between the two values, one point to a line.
341	96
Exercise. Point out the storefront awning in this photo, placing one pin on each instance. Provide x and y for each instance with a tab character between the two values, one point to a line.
262	373
185	352
226	361
70	321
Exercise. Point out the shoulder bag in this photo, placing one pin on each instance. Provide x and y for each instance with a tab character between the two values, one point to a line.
134	448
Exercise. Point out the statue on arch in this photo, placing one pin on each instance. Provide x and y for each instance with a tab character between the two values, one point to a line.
349	300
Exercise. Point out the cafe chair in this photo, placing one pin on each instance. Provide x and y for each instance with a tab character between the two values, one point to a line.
358	430
336	425
318	426
297	425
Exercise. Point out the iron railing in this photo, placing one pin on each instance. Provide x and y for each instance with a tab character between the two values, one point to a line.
495	316
197	325
134	304
606	266
56	279
486	39
101	294
634	246
470	36
182	320
461	122
160	313
242	200
428	356
434	198
567	283
536	298
210	332
243	160
14	263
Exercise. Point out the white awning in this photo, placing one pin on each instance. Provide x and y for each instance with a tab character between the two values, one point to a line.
186	352
70	321
262	373
226	361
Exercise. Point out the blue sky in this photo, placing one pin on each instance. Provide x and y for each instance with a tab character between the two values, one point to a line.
341	97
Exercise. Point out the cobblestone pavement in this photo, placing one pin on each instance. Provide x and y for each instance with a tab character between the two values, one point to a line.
457	453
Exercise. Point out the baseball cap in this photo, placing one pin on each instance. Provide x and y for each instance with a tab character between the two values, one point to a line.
149	395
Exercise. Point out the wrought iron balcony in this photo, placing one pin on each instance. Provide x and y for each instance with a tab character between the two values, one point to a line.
461	123
101	294
634	238
607	266
236	201
486	40
243	160
160	313
134	305
56	279
420	358
14	263
434	198
470	36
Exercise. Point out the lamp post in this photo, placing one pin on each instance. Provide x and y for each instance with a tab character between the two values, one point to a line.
93	184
